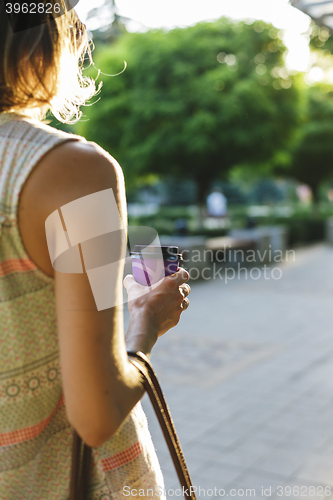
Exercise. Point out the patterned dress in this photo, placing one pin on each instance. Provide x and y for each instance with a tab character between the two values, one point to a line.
35	434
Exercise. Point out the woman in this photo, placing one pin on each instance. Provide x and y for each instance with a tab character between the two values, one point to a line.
63	362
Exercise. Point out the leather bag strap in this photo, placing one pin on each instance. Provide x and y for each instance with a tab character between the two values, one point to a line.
82	454
162	411
80	471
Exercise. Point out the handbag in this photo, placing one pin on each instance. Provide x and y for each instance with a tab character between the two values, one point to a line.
82	454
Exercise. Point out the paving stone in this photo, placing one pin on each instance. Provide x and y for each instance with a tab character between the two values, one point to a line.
243	456
264	484
270	421
312	435
317	469
215	475
282	462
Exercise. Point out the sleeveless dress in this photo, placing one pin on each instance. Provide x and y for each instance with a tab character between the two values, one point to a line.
35	434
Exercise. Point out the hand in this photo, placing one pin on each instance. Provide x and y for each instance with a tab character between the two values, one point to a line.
163	305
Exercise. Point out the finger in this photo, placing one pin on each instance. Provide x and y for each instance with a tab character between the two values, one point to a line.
184	305
186	289
128	281
181	276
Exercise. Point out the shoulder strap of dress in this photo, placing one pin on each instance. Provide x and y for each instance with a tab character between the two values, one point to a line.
23	143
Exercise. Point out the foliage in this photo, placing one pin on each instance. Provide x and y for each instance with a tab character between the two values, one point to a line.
308	230
173	192
266	192
303	227
320	38
194	102
300	229
313	153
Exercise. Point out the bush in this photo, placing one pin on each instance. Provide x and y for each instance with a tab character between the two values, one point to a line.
302	229
305	230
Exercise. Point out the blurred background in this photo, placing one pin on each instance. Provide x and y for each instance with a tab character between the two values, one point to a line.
221	116
229	95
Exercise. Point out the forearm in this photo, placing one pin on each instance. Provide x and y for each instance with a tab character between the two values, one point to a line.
140	336
113	386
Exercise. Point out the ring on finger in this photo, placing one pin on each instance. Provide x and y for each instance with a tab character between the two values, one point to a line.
186	289
185	303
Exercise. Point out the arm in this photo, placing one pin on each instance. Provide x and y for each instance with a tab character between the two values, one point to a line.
100	385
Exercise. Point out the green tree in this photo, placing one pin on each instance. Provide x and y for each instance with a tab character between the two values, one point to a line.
194	102
313	153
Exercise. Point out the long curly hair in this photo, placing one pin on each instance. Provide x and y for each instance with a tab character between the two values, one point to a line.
41	66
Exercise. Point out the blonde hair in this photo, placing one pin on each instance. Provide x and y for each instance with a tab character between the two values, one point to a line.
41	67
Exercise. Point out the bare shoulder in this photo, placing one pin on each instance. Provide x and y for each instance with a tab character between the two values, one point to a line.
69	171
75	169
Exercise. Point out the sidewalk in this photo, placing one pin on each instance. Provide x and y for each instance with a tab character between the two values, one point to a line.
248	376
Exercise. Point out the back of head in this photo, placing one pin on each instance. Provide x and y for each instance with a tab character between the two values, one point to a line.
41	62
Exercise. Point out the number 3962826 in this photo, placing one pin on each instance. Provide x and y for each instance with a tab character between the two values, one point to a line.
32	8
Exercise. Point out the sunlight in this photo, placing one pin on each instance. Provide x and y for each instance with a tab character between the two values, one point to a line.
298	56
183	13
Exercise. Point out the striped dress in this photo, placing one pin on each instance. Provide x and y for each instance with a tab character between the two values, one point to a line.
35	434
